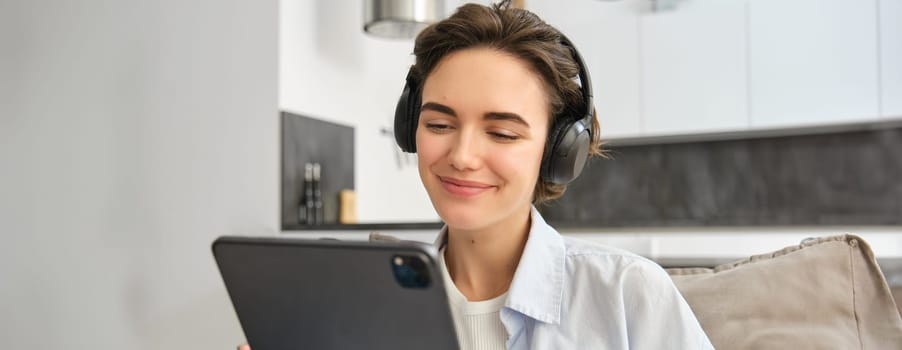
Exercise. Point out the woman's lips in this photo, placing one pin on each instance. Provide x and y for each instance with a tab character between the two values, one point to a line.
464	188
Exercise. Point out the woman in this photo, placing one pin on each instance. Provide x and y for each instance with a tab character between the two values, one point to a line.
485	105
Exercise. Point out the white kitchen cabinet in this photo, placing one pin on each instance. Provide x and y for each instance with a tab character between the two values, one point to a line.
812	62
709	66
693	67
891	58
607	38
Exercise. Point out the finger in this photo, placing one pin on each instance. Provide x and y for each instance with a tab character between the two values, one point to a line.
244	347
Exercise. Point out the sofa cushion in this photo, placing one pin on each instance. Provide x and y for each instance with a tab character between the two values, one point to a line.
826	293
897	295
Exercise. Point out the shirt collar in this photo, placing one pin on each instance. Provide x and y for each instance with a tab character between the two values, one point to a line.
538	285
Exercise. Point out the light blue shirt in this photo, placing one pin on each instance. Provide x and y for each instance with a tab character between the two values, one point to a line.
573	294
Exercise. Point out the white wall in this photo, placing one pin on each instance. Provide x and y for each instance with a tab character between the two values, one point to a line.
132	133
329	69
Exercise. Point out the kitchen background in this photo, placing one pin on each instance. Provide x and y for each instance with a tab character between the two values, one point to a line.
753	124
133	133
688	72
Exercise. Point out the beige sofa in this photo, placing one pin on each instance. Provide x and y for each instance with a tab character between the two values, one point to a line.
825	293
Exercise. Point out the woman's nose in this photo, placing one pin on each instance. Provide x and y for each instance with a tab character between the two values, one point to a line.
465	153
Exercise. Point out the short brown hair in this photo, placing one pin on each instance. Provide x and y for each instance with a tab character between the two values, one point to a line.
521	34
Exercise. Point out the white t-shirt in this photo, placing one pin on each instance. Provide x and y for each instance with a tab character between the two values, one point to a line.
478	323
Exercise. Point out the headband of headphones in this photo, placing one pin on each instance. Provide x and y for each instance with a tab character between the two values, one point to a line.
585	82
569	137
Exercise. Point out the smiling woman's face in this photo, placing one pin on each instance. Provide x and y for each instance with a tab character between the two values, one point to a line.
480	137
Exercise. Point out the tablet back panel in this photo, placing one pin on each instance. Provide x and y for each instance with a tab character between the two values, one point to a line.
328	294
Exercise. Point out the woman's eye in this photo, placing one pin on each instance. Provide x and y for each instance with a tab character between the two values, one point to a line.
437	127
502	136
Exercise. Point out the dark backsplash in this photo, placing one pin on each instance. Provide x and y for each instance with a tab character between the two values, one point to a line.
311	140
842	178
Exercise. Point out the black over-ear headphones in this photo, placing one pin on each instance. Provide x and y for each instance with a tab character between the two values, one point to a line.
566	149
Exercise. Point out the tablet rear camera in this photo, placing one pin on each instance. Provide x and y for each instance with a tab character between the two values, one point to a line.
410	271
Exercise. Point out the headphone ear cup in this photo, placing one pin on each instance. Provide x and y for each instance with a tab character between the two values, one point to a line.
413	117
407	115
565	159
401	132
547	170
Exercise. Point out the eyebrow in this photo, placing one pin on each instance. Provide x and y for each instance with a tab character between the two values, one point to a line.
503	116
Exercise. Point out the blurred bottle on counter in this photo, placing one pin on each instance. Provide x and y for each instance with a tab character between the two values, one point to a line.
306	215
347	202
317	195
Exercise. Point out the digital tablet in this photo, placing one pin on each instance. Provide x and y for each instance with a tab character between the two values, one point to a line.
292	293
